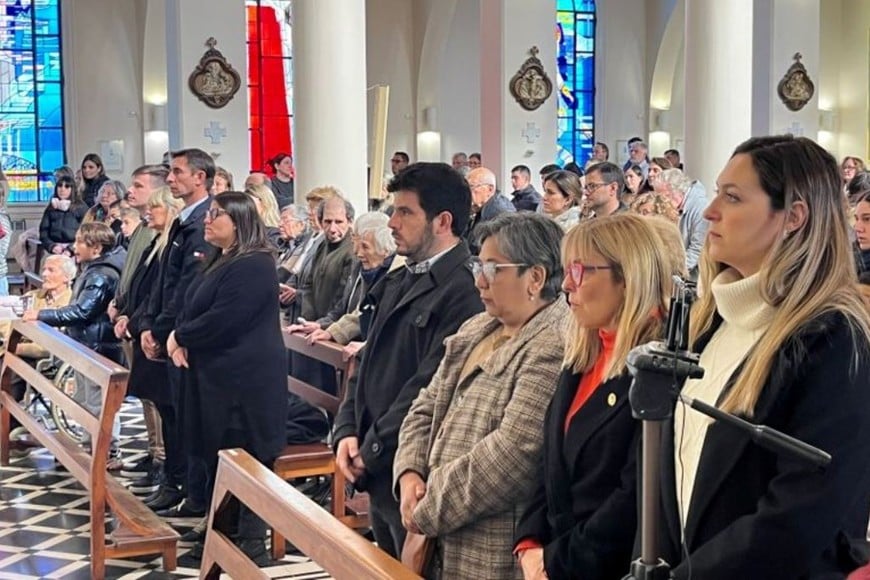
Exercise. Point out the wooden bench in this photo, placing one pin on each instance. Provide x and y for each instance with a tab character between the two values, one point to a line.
337	549
317	459
139	531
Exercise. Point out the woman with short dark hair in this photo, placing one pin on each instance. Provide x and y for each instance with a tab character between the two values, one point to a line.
228	335
469	448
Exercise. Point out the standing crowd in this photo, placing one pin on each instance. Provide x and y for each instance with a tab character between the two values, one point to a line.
489	416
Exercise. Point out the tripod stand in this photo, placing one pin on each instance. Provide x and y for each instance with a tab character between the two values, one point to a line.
659	370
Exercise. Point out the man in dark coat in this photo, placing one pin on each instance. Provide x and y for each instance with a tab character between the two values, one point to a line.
190	179
524	197
487	202
415	309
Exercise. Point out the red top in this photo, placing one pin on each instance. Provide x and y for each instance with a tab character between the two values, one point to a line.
588	384
592	378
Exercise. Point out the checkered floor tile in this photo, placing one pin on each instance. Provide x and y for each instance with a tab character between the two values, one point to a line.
44	523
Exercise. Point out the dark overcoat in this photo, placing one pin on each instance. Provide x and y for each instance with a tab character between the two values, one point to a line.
148	379
238	365
404	348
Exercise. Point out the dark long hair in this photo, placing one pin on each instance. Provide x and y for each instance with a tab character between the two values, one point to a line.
250	230
75	197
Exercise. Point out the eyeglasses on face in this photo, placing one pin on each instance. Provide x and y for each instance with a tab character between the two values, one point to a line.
214	213
590	187
576	271
489	269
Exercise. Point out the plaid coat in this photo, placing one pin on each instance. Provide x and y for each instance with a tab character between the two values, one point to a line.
477	443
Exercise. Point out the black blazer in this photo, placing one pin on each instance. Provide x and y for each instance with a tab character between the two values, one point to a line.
404	347
585	510
756	515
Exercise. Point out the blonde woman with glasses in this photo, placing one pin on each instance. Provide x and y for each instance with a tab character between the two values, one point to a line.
581	522
783	336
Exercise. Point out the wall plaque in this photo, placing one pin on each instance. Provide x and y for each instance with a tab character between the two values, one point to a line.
214	81
531	86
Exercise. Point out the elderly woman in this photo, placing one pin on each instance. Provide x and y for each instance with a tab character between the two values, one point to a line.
375	251
296	231
228	336
469	448
58	272
583	517
223	181
690	203
110	193
651	203
562	192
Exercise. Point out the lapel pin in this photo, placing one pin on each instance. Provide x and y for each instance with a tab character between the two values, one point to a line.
611	399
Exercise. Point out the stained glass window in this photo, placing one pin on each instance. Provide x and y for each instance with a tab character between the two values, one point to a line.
270	80
575	34
31	97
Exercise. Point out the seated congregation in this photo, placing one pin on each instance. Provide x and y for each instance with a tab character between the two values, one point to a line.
488	415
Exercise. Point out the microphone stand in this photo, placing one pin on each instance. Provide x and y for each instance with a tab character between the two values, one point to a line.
659	370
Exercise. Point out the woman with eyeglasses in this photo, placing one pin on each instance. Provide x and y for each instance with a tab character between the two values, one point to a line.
582	520
469	448
228	334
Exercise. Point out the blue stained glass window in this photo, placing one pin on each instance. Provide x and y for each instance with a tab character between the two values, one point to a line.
575	33
31	97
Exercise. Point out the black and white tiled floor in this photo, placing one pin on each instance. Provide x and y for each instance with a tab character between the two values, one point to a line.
44	523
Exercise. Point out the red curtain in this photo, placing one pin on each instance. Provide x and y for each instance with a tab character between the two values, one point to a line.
267	93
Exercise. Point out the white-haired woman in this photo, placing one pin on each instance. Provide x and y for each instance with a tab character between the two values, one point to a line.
58	272
690	202
375	250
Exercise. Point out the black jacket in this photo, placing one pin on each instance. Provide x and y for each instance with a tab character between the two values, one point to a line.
92	188
186	251
60	227
85	318
526	199
584	513
148	379
238	363
404	346
757	515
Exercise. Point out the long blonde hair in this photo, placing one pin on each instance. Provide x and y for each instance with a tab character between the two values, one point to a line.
162	197
270	215
633	249
807	273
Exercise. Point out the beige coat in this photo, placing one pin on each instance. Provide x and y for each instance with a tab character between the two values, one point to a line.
477	443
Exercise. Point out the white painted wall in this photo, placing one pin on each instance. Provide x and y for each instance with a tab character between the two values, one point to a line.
391	60
459	83
102	63
188	116
154	89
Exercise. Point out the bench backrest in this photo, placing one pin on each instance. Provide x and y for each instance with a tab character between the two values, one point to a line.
339	550
329	353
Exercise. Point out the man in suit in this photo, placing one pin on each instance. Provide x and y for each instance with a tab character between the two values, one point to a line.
190	179
415	309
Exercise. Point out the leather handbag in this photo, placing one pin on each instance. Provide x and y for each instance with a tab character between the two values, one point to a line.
417	552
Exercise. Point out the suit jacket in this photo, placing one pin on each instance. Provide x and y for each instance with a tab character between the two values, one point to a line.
405	344
477	442
185	252
754	514
585	512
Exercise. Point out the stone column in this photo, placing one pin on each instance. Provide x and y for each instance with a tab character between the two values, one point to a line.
329	91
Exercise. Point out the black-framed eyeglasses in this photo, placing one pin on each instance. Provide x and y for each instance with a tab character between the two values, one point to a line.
489	269
590	187
576	270
214	213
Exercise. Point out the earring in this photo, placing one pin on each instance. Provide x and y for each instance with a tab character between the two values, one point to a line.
531	296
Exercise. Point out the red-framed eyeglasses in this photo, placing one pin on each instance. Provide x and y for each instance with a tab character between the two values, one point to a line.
577	269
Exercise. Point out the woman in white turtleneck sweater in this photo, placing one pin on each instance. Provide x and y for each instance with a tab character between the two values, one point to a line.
783	337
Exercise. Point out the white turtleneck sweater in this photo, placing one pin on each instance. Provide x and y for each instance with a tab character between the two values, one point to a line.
745	318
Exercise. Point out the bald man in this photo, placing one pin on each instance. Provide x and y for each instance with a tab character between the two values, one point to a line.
486	202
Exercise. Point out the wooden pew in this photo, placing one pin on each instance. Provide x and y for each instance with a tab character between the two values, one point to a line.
317	459
140	531
340	551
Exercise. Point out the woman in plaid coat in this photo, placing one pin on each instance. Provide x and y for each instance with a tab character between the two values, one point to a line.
470	447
